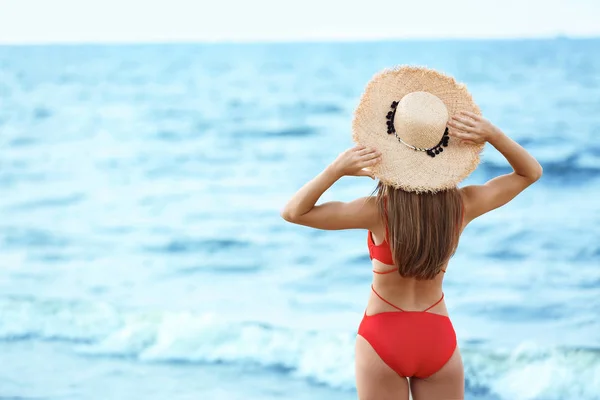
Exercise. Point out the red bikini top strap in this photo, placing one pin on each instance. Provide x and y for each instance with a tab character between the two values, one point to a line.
385	272
435	304
384	300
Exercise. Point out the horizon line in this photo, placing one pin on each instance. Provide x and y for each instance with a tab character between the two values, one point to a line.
306	40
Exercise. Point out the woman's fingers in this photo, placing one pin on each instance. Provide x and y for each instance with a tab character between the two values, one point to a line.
365	157
368	163
356	149
370	156
465	137
462	135
464	120
366	150
460	126
471	115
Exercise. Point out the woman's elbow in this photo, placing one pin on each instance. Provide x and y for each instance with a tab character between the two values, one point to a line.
287	215
537	174
533	174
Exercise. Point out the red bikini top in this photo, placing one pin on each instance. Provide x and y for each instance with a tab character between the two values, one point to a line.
382	252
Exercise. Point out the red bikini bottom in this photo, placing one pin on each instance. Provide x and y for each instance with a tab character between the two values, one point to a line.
412	343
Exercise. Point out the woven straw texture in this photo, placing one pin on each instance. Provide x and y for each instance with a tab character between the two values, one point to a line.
401	166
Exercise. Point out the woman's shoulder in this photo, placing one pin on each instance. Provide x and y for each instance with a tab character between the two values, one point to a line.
370	212
370	203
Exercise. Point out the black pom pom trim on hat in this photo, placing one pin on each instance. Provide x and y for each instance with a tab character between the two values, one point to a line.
390	117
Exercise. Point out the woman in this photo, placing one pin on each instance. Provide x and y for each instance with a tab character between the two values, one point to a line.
434	137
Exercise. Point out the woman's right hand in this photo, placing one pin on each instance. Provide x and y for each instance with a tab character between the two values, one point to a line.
472	128
353	161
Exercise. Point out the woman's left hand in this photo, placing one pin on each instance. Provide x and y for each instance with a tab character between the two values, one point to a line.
471	128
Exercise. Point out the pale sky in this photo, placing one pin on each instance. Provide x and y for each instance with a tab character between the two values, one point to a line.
73	21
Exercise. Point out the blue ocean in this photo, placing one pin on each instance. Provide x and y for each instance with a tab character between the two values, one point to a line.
142	254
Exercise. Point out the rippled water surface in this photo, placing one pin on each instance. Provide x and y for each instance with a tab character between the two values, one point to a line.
142	254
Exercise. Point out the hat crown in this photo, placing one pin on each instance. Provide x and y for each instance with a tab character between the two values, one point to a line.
421	119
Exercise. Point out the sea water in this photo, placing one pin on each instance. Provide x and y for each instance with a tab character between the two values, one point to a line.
142	254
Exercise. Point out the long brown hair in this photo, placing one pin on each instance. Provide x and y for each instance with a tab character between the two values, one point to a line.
423	229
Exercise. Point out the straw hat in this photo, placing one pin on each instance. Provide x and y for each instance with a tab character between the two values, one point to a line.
403	113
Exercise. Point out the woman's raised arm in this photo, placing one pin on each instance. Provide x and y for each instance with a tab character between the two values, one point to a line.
301	208
498	191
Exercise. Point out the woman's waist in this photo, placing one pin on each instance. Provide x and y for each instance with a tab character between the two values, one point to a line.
407	298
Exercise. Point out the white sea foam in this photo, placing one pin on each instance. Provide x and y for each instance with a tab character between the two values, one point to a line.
527	372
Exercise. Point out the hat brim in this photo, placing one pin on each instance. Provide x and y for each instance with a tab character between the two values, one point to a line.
401	166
